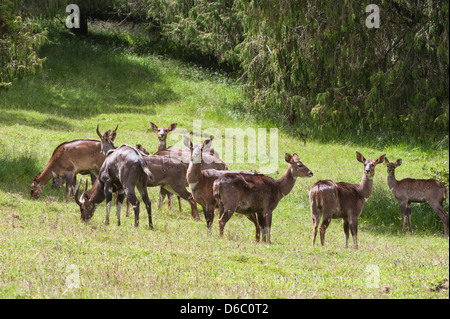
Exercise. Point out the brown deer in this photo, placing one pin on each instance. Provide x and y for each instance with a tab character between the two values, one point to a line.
201	180
123	170
69	159
162	145
408	190
107	139
256	195
342	200
169	173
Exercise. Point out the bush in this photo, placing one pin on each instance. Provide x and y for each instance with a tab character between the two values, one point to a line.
19	42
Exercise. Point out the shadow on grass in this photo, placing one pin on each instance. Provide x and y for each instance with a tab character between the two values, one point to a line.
81	79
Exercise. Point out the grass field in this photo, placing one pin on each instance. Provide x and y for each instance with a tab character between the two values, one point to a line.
47	252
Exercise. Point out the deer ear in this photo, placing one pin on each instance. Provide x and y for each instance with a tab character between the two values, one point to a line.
386	161
154	126
360	157
288	157
380	159
398	162
187	142
172	127
207	145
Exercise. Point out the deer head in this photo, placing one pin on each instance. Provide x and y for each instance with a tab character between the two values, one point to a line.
369	166
163	131
298	169
198	149
36	187
107	140
392	166
86	207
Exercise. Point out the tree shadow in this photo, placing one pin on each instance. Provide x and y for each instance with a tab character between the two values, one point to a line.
81	79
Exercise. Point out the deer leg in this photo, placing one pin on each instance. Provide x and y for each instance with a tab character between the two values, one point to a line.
209	216
346	225
187	196
254	219
70	184
120	198
408	214
225	216
268	223
403	208
439	209
323	229
132	199
109	199
148	204
354	230
179	204
128	209
162	195
316	220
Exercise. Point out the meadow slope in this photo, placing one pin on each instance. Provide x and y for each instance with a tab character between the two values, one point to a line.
44	247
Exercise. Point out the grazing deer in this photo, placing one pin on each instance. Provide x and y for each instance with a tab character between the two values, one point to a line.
408	190
69	159
342	200
123	170
256	195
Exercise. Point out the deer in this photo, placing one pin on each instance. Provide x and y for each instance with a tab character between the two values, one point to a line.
408	190
201	180
162	145
169	173
256	195
123	170
211	159
342	200
67	160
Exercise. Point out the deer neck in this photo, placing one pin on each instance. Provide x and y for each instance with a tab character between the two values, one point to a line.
96	194
161	145
194	171
47	174
287	182
366	186
392	182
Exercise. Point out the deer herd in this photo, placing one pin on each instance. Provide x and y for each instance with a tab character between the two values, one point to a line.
118	171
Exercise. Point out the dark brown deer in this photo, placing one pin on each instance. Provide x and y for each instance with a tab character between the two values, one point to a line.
342	200
256	195
201	180
408	190
123	170
69	159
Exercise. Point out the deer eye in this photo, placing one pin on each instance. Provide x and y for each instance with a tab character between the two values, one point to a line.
300	165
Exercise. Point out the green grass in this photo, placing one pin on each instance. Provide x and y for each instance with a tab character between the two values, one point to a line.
44	245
